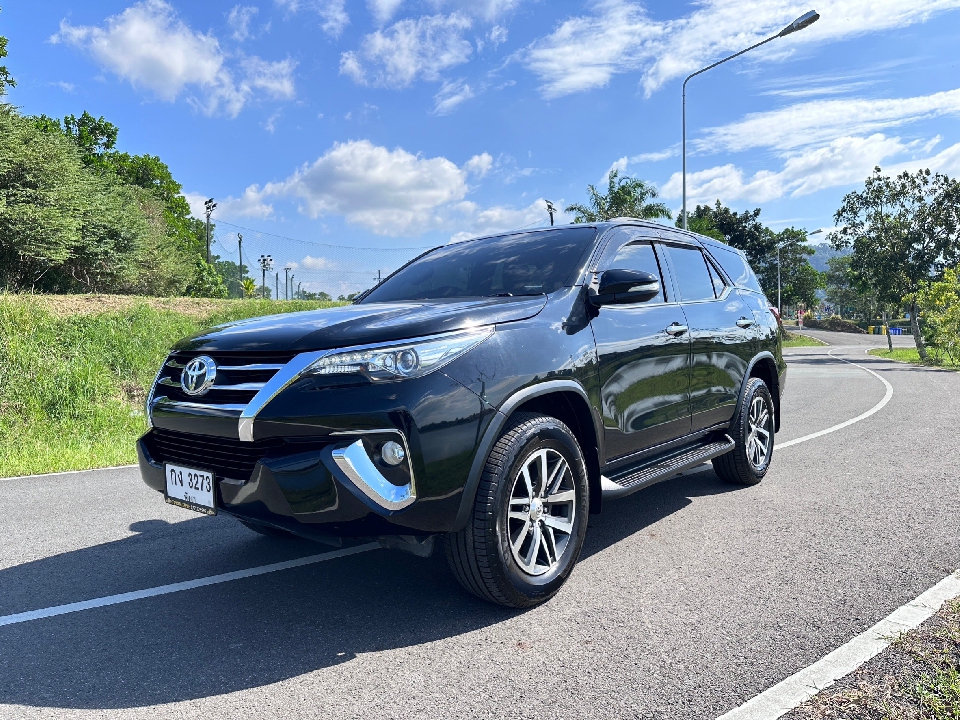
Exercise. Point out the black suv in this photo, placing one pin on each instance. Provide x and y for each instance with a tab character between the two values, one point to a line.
494	392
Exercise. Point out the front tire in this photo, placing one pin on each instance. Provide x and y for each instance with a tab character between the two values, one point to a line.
530	516
752	431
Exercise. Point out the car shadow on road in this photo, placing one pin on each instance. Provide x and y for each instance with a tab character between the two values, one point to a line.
253	632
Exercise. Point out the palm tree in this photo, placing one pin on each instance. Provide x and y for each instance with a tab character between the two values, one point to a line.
249	287
626	197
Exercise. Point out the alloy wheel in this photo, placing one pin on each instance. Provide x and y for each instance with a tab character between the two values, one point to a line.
542	512
759	433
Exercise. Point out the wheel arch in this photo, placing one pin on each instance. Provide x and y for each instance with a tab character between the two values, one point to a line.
565	400
764	367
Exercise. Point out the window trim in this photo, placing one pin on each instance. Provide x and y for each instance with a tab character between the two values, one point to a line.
686	245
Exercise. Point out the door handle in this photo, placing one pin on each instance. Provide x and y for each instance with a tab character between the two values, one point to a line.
745	323
676	329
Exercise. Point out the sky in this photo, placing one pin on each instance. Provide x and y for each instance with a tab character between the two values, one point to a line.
403	123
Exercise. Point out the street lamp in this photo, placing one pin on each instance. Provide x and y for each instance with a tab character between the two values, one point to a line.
780	245
804	21
208	207
286	283
266	263
550	211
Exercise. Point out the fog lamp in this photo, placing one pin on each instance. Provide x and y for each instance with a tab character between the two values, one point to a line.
392	453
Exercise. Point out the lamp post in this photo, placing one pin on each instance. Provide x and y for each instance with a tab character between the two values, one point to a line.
240	266
804	21
780	245
208	207
550	211
266	263
292	294
286	283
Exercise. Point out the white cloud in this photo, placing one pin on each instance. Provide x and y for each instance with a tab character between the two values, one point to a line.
318	263
239	19
391	192
844	161
479	164
487	10
383	10
819	121
151	47
408	50
333	13
497	36
586	51
479	221
619	165
250	204
451	94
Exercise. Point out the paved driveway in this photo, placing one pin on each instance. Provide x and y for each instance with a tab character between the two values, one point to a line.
691	596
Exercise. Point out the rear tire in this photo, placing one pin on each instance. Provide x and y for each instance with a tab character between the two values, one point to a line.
752	431
529	518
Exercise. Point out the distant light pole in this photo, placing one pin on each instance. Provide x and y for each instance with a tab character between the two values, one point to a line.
292	295
298	290
550	210
208	207
780	245
266	263
276	286
240	267
286	283
804	21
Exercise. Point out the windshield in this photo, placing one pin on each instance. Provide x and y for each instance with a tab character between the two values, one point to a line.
531	263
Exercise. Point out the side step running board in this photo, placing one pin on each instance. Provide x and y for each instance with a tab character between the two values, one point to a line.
652	474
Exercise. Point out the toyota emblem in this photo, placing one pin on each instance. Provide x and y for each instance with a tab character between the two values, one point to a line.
198	375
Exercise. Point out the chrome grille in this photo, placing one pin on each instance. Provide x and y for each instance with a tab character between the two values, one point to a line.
239	377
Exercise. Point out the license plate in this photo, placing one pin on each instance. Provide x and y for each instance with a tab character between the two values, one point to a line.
191	489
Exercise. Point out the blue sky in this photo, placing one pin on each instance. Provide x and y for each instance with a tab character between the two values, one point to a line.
396	123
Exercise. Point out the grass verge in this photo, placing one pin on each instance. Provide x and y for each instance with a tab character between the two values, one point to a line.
74	374
915	678
910	355
792	340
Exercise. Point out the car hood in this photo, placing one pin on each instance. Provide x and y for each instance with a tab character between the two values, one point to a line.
360	324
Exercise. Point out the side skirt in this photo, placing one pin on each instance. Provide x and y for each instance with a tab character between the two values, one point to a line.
628	481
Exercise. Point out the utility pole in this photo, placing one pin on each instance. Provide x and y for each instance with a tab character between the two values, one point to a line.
550	210
208	207
292	296
266	263
240	268
276	286
298	290
286	283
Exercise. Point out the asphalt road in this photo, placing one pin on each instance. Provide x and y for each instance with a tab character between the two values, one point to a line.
691	596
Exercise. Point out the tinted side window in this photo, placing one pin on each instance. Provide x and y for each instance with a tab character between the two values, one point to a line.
737	267
638	256
690	273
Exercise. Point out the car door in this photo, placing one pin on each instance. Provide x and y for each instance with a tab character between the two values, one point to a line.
722	333
644	355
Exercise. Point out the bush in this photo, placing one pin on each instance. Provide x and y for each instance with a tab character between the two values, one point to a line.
834	323
940	307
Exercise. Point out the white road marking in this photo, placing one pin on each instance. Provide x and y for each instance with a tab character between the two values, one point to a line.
180	586
801	686
67	472
875	409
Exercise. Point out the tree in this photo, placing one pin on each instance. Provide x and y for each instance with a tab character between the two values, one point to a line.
842	292
206	280
904	233
741	230
940	302
249	287
626	197
322	296
6	80
799	281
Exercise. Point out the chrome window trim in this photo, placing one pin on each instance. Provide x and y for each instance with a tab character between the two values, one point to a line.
356	464
165	403
249	368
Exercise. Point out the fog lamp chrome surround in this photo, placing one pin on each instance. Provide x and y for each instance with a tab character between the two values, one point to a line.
354	462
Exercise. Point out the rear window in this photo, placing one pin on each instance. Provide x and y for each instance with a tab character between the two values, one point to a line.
736	267
532	263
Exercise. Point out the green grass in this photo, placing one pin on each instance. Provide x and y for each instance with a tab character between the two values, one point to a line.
72	386
793	340
910	355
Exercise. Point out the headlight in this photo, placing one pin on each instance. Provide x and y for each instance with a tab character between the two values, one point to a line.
407	359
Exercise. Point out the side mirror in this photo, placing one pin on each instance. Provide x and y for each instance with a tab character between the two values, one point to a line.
620	287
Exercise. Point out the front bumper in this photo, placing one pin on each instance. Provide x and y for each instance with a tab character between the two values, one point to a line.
313	468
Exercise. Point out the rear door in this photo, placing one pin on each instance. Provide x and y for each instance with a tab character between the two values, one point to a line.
644	361
722	332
